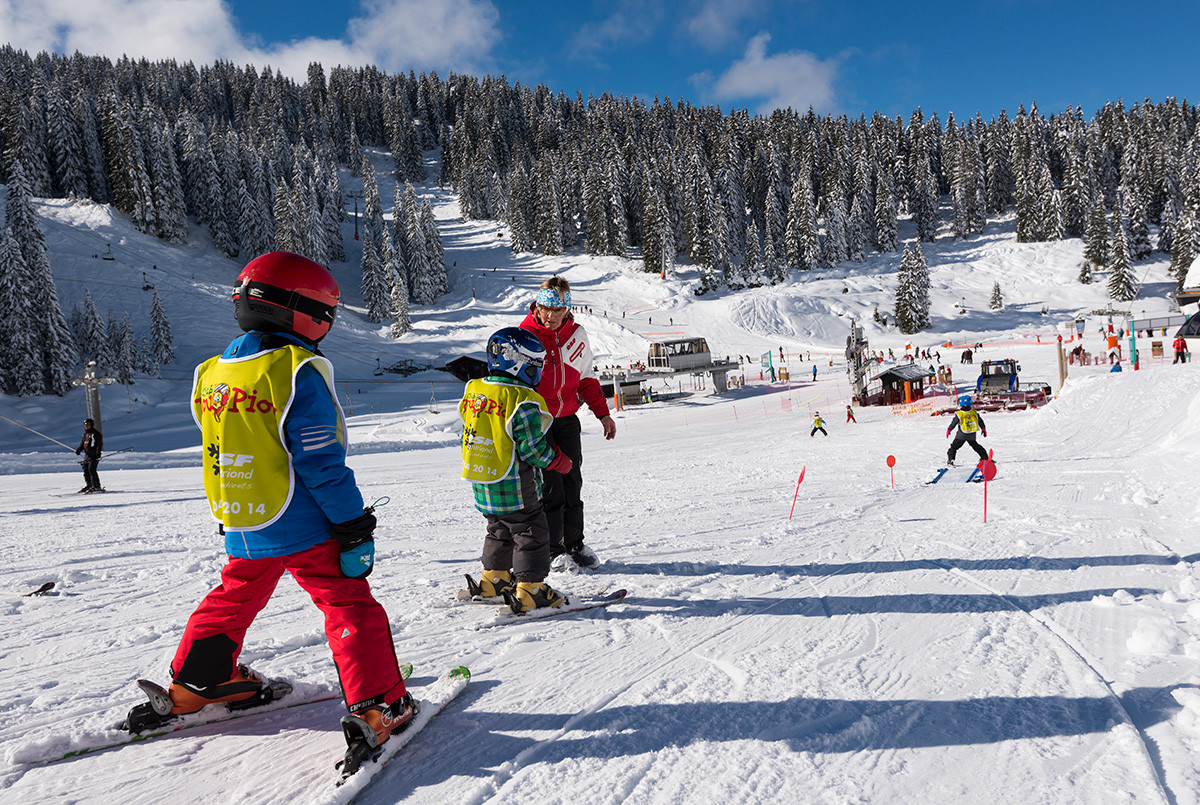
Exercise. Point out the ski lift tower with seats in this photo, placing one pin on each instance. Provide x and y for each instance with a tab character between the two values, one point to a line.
856	362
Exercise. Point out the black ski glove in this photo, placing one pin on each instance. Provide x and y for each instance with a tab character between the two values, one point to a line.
358	544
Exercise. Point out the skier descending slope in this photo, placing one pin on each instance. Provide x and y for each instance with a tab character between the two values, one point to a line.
276	479
968	422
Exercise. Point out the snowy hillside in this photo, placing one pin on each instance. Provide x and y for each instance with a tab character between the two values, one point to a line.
883	644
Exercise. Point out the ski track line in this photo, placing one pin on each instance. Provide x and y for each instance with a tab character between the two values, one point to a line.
491	790
1092	664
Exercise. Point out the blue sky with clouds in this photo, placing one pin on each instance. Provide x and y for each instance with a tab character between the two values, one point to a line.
853	57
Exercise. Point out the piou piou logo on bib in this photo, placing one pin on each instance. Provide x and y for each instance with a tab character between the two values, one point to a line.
221	399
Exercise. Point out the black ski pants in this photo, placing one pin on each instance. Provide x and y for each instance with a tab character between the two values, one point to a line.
561	494
90	476
960	439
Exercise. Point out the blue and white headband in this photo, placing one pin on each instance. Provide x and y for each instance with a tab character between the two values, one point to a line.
550	297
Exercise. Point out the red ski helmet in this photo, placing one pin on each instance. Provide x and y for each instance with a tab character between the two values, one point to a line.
281	292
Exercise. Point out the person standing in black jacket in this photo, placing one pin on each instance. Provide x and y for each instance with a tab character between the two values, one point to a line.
90	447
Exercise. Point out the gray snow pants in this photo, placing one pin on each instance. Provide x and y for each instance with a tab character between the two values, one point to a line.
518	541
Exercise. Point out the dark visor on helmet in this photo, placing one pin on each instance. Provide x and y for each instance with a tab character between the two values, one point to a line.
291	300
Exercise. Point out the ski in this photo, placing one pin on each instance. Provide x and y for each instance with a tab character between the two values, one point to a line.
506	617
43	590
213	714
431	700
470	596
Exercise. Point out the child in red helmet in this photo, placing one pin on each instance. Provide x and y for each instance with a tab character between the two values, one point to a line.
276	480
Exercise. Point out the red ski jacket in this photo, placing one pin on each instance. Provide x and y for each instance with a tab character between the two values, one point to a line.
568	375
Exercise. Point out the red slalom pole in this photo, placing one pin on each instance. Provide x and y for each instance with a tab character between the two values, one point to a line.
891	462
793	511
987	468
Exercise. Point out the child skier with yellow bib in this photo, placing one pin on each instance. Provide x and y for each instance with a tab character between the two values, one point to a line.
505	451
276	480
968	422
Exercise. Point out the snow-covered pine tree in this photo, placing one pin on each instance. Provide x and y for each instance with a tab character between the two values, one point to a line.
170	209
912	292
924	204
55	347
920	288
84	110
1085	273
252	232
398	299
856	234
1138	223
145	358
595	196
424	290
376	287
1001	186
1095	241
801	242
835	248
287	225
752	262
64	143
775	268
885	215
997	301
95	346
1183	252
126	351
161	339
903	304
548	224
434	247
658	246
1122	284
20	370
520	210
1076	194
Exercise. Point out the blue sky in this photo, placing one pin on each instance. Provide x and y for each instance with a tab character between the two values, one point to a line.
853	57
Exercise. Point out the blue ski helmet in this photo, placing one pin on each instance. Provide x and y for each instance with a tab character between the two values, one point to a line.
964	402
517	353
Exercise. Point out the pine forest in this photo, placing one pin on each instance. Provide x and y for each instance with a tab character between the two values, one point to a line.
254	158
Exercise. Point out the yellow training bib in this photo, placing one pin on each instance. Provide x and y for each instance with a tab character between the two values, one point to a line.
240	405
487	409
968	421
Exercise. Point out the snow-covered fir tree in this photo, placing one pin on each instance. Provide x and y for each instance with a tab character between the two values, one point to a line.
161	339
125	348
1095	242
912	292
1122	284
20	369
376	288
1183	248
997	301
55	347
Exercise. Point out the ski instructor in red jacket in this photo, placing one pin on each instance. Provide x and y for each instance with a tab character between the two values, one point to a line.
568	377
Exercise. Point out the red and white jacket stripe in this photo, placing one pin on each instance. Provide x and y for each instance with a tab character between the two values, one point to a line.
569	375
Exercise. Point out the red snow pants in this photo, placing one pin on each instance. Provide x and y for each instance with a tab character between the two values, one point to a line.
356	625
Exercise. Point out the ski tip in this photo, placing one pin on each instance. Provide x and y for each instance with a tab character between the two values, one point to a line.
406	670
460	672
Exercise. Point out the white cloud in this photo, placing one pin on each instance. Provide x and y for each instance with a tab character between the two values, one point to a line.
716	22
796	79
394	35
630	22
